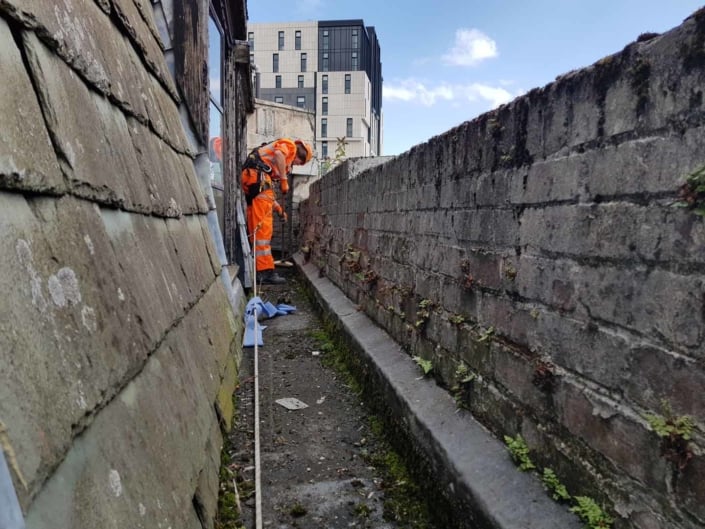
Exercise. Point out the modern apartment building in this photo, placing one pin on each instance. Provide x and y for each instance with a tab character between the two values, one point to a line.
331	67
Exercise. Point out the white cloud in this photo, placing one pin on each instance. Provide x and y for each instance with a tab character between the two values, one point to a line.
414	91
471	47
309	6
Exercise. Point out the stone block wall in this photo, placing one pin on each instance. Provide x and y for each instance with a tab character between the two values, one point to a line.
119	346
535	256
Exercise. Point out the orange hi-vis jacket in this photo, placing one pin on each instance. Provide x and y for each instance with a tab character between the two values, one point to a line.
258	188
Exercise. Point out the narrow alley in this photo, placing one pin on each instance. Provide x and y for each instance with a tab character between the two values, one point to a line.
322	466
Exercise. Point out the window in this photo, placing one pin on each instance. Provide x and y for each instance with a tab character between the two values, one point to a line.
325	62
281	40
277	81
278	99
354	60
324	84
324	108
215	91
251	40
354	39
325	39
301	81
324	127
324	149
347	83
275	62
303	62
301	101
348	128
297	40
252	58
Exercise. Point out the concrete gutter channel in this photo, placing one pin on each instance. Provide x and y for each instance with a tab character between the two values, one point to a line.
470	476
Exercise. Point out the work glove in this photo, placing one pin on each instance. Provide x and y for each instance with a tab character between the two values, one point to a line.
284	185
284	216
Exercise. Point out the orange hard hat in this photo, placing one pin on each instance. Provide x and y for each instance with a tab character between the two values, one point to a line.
309	150
215	151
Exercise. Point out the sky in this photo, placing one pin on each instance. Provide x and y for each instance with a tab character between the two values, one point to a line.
445	62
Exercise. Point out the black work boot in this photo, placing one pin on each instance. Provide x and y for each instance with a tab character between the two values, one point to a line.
270	277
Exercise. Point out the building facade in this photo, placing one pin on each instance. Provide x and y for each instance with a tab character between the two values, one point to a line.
332	68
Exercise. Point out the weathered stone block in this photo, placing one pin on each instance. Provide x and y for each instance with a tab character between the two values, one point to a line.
90	133
553	180
27	159
85	341
549	281
637	299
622	439
155	432
644	381
161	170
690	488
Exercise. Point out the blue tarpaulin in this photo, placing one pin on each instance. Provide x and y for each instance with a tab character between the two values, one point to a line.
257	309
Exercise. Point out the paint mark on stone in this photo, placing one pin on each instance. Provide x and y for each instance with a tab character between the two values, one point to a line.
129	396
115	483
24	253
81	400
89	319
89	244
63	287
121	296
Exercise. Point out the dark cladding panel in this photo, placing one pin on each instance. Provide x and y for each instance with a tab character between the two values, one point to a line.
190	53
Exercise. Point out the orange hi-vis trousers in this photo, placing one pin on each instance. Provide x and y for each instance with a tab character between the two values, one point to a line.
259	213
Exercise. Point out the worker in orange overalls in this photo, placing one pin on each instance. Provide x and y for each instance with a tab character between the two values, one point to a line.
272	162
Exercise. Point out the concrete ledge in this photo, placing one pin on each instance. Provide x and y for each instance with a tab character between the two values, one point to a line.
468	473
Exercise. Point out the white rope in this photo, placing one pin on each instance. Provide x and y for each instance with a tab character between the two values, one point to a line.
258	487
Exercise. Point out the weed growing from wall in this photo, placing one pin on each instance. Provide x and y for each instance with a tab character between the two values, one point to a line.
462	388
555	488
425	365
467	280
544	376
675	433
691	195
519	451
486	335
591	513
584	507
423	313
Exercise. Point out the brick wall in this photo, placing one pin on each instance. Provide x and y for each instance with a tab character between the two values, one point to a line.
537	246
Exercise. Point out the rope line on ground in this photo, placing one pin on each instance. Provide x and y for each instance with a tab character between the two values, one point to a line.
258	488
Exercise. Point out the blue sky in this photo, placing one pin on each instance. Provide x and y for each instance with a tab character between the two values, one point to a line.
448	61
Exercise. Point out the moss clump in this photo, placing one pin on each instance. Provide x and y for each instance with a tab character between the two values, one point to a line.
228	515
404	501
298	510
